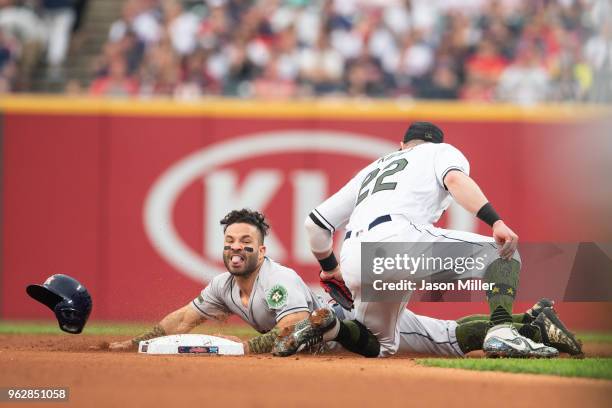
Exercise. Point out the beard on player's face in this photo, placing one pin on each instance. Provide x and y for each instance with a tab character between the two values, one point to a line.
243	249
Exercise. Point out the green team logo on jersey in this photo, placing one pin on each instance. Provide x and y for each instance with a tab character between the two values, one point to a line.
277	297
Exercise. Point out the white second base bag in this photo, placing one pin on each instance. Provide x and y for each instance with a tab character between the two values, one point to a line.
191	344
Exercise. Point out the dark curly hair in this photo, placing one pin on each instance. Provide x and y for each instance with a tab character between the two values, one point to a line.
247	216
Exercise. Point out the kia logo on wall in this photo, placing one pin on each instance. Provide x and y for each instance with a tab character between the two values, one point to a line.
223	192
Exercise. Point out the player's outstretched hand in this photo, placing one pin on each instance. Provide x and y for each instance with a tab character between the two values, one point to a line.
505	238
122	346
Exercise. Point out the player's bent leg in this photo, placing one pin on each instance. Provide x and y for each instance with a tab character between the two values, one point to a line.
380	318
502	338
370	329
356	338
353	335
472	318
470	335
540	323
523	318
426	335
504	276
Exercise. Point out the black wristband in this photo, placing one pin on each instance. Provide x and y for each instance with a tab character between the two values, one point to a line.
488	214
329	264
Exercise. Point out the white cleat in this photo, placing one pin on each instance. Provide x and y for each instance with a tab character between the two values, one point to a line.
504	341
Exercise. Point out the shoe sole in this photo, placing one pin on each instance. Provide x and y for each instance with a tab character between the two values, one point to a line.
315	321
318	317
552	316
535	310
504	351
500	354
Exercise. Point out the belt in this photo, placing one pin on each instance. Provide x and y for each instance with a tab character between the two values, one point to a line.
380	220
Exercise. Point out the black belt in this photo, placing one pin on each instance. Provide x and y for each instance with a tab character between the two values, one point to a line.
380	220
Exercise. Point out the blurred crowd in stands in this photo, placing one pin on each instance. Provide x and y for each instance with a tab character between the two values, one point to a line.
35	30
522	51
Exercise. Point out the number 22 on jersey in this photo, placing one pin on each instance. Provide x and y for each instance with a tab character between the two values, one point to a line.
380	184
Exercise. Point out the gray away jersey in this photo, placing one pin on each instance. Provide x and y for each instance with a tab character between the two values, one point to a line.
277	292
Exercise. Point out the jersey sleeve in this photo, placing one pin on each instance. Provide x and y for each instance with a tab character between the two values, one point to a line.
449	158
210	303
337	209
287	295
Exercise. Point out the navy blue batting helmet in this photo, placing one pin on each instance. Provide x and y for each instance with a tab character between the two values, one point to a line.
69	300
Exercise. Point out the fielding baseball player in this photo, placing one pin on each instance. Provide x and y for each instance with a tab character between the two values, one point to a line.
398	198
271	297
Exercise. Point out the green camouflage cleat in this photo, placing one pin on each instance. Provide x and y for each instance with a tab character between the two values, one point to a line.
304	334
535	310
555	334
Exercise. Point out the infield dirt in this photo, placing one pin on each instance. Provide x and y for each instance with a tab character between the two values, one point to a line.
105	379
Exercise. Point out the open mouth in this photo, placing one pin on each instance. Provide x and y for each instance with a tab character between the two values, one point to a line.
236	260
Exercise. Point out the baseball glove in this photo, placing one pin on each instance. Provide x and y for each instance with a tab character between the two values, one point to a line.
339	292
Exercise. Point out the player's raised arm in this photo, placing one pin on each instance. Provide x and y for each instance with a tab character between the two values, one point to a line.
469	195
180	321
322	222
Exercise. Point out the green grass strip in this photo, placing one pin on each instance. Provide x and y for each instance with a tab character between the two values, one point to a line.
566	367
595	337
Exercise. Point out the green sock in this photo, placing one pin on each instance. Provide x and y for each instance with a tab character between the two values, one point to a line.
522	318
470	335
516	318
530	331
505	275
355	337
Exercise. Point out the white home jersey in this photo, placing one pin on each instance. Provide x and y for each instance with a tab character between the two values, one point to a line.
407	182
